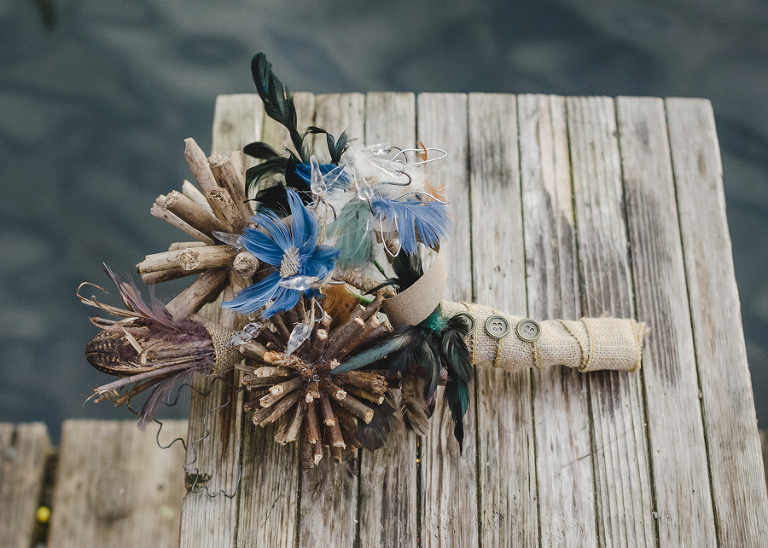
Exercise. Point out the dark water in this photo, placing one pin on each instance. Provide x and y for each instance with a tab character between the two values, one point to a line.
94	106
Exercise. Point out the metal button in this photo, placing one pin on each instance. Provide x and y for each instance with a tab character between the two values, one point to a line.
528	330
496	326
470	320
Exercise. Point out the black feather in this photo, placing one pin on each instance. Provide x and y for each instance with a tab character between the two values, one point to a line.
256	174
408	269
260	150
456	359
386	421
278	100
335	147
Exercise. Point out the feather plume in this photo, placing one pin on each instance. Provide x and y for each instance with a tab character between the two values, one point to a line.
387	420
352	228
260	151
414	407
455	356
339	303
413	219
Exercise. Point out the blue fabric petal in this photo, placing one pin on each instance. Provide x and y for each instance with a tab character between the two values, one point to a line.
304	226
275	227
321	263
262	246
255	296
284	299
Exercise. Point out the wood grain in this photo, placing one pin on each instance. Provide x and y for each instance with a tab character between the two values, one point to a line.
116	487
329	491
388	480
24	449
449	478
216	417
561	405
730	425
676	433
269	501
507	474
619	448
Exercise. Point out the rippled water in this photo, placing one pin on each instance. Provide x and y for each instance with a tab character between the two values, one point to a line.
93	112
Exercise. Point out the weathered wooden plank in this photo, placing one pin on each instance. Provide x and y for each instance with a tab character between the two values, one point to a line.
619	448
24	449
388	480
449	478
733	446
561	404
237	121
329	492
269	498
216	416
507	475
764	445
675	429
116	487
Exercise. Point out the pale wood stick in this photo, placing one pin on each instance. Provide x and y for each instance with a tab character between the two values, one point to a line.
357	408
191	213
159	261
332	390
193	193
295	427
228	177
245	264
238	282
198	164
274	371
329	419
175	246
252	349
313	429
238	162
224	208
204	258
152	278
158	210
205	289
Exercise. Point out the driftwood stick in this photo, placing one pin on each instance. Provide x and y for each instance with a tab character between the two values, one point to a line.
366	395
252	349
158	210
193	193
238	162
307	453
245	264
282	406
204	258
274	372
252	381
205	289
164	275
357	408
282	429
295	426
230	179
159	261
345	332
318	344
364	380
368	328
175	246
267	400
329	419
313	391
198	164
332	390
281	328
313	428
334	433
191	213
225	209
286	386
317	453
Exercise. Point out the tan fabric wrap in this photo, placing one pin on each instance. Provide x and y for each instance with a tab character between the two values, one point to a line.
589	344
227	355
415	304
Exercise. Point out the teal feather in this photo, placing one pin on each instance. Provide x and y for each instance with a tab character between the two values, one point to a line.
353	229
396	342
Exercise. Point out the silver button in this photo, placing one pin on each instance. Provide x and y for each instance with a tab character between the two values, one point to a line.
496	326
528	330
470	320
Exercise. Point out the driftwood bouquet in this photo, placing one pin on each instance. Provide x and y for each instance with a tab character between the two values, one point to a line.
330	310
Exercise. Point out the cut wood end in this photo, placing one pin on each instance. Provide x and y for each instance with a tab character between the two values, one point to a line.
322	334
368	417
273	357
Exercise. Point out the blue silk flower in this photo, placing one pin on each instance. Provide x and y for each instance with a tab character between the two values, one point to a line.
294	253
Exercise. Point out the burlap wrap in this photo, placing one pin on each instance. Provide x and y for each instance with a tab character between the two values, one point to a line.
227	355
589	344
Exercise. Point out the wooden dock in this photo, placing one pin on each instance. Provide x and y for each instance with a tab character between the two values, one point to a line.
563	207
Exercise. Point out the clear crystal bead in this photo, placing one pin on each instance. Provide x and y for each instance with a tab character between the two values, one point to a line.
299	283
299	334
378	149
239	338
